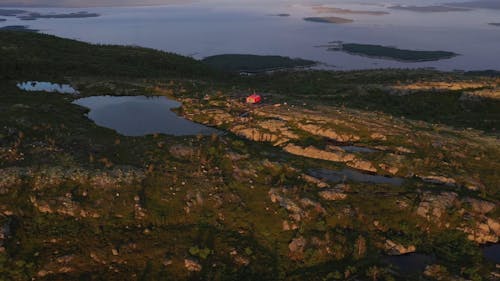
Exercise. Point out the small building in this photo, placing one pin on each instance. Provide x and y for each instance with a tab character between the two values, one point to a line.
253	99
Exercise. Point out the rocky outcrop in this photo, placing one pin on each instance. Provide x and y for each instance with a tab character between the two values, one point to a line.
312	180
284	202
296	248
332	194
239	259
254	134
480	206
478	227
320	130
362	165
43	178
192	265
63	205
313	152
487	231
395	249
439	180
433	206
182	151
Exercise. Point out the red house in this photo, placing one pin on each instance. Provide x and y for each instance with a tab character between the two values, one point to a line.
253	99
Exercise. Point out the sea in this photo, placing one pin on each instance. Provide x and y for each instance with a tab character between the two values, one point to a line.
211	27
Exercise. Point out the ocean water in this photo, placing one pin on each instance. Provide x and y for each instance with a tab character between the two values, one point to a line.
212	27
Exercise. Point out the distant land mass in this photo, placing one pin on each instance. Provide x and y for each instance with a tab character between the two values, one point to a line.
26	15
480	4
328	20
385	52
430	9
332	10
88	3
1	20
34	16
254	63
18	28
494	23
10	13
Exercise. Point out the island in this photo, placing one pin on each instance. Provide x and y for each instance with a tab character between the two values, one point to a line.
336	20
332	10
386	52
430	9
2	20
27	15
478	4
254	63
11	12
281	15
494	23
35	16
18	28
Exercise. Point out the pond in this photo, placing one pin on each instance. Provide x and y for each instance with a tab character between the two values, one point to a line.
352	175
410	263
492	253
140	115
360	149
36	86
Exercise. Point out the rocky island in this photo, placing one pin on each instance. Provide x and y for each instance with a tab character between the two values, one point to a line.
334	176
385	52
430	9
27	15
333	10
336	20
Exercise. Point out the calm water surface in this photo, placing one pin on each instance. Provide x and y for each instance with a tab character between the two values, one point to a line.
139	116
216	27
352	175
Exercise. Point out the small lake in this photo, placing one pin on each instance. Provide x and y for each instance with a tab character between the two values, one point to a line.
360	149
492	253
140	115
352	175
410	263
35	86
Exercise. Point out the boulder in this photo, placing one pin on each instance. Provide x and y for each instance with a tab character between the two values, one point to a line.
395	249
316	153
181	151
297	247
332	194
439	180
192	265
319	183
480	206
433	206
362	165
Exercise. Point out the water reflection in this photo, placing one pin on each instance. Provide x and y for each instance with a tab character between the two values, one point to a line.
352	175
